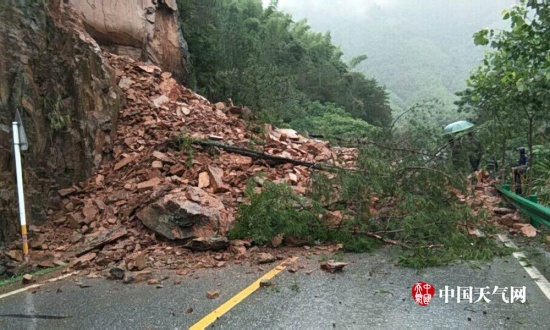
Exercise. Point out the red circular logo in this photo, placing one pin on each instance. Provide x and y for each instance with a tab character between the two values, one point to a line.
423	293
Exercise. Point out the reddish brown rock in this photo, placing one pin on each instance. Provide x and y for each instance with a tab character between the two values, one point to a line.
216	175
185	214
332	266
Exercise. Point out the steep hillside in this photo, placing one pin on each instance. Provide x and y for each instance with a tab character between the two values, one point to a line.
417	49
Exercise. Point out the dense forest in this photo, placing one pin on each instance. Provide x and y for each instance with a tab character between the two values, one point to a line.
418	49
286	73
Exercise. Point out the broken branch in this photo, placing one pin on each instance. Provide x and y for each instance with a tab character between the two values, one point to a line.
261	155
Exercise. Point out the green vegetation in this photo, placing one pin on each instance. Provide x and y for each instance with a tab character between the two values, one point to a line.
402	191
396	195
418	49
15	279
286	73
185	142
510	92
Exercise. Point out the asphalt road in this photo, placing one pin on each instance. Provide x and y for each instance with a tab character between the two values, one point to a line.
371	292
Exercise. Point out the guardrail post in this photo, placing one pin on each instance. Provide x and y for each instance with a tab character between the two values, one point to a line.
534	199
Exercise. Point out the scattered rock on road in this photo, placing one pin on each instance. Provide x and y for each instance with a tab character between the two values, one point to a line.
212	294
136	277
528	230
27	278
117	273
265	258
332	266
265	283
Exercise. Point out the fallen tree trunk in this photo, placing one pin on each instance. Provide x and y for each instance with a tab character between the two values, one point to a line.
260	155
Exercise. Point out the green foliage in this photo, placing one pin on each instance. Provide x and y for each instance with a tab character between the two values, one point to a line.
459	247
354	62
263	59
511	90
17	279
415	205
276	210
417	49
541	169
330	120
397	192
58	121
185	142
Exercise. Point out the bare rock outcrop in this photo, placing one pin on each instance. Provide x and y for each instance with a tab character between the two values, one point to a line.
147	30
66	92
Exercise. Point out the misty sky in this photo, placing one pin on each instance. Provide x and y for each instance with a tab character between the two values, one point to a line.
332	7
416	48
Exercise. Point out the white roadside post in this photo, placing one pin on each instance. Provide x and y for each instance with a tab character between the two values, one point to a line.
20	195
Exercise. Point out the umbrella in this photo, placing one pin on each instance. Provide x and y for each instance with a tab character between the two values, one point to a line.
457	126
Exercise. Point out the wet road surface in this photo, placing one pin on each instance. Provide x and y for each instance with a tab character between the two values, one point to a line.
371	292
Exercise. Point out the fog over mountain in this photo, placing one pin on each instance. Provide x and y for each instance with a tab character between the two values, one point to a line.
418	49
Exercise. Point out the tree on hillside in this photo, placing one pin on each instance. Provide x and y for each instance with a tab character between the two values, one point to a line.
263	59
512	88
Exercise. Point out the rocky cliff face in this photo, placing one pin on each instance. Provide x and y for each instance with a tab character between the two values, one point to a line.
147	30
54	73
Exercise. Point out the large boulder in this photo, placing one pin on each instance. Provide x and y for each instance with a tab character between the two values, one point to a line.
147	30
186	214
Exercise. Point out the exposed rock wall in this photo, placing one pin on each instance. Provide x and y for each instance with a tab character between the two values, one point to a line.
147	30
68	98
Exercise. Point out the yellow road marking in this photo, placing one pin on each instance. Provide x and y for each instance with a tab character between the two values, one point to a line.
236	299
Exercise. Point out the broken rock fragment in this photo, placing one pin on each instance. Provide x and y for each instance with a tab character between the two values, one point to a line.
528	230
212	294
265	283
136	277
502	210
27	278
332	266
266	258
216	181
207	244
117	273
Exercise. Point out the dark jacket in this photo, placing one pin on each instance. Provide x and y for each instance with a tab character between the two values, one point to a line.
522	157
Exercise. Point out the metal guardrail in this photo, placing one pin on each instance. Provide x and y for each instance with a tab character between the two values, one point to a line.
539	214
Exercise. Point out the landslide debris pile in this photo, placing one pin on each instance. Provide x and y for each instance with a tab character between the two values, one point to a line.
483	196
161	197
160	189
